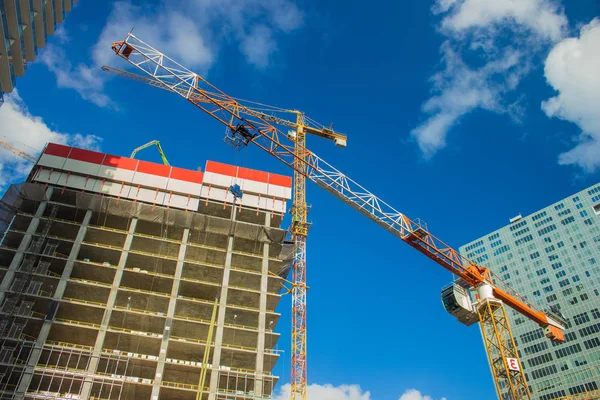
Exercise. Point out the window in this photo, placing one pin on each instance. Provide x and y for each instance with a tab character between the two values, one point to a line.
531	336
567	351
559	206
547	229
551	298
536	348
579	206
541	359
563	213
561	274
595	313
583	213
9	305
576	278
518	225
501	250
522	231
535	255
538	216
564	282
594	190
557	265
583	297
541	272
552	257
588	221
568	220
560	244
567	292
34	287
542	372
26	308
549	249
548	289
496	243
592	261
576	199
544	281
589	330
581	318
494	236
591	343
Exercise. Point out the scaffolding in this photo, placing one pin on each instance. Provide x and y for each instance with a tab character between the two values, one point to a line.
144	279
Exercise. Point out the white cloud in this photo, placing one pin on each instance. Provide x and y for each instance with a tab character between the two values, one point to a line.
30	134
327	392
190	32
542	17
573	70
413	394
458	90
479	28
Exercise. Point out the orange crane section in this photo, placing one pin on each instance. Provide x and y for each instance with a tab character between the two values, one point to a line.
16	151
245	126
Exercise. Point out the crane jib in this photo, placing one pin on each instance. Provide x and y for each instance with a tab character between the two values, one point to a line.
183	82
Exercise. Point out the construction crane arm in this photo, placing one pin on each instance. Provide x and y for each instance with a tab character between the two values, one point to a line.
246	126
16	151
323	132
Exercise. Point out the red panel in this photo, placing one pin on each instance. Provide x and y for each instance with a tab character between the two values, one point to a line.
153	169
219	168
58	150
120	162
253	175
280	180
186	175
87	156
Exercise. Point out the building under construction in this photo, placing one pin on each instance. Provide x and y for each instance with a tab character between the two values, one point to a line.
128	279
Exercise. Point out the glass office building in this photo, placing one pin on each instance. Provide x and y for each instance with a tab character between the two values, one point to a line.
552	257
24	28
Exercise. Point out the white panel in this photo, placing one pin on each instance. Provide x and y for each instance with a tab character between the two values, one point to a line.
250	200
114	189
117	174
47	177
145	195
277	191
177	201
254	186
150	180
184	187
50	161
218	179
76	182
81	167
194	203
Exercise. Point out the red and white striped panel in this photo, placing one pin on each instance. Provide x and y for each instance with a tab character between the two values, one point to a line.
156	183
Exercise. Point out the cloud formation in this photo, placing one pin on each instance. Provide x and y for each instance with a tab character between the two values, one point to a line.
191	32
573	70
30	134
327	392
413	394
478	29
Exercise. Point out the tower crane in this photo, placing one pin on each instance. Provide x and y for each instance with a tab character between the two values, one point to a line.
17	151
302	126
245	126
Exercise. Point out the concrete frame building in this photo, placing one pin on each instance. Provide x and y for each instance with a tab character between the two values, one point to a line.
552	257
24	27
112	268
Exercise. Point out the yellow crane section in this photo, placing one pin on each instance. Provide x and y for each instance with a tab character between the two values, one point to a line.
17	151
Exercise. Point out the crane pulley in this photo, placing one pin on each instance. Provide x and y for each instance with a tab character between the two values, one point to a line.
246	126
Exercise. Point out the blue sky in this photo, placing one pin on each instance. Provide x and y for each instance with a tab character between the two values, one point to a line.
461	112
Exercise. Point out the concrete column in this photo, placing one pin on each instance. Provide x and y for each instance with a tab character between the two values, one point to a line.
18	258
160	368
262	316
93	364
36	352
216	360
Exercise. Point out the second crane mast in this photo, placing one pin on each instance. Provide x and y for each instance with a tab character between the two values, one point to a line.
245	126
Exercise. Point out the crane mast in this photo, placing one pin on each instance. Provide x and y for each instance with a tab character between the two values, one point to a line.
246	126
17	151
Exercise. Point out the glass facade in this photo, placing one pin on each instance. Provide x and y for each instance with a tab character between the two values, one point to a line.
17	11
552	257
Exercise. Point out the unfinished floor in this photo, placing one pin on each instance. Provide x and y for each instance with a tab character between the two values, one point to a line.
108	298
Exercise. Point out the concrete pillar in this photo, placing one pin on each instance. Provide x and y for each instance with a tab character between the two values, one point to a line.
93	364
18	258
160	368
36	352
262	316
216	360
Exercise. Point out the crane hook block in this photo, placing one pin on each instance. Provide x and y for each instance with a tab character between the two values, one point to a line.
239	137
